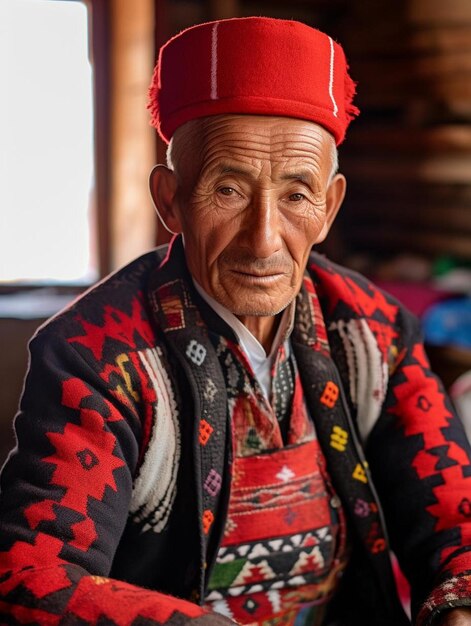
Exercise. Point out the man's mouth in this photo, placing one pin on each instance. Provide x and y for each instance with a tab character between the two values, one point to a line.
260	277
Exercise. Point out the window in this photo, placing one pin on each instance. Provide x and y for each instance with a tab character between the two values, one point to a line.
47	173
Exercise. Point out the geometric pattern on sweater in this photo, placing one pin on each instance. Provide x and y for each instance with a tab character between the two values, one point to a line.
281	563
85	371
418	426
83	459
254	420
284	540
100	379
273	609
175	309
283	375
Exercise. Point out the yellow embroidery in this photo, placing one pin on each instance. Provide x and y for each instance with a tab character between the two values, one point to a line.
120	361
359	473
339	438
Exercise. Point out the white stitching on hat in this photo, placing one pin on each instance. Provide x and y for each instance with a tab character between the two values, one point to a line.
331	77
214	61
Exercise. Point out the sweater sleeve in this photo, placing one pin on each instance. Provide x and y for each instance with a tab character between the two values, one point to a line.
65	494
421	463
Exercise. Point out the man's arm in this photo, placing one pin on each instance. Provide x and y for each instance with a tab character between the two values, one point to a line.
65	498
421	463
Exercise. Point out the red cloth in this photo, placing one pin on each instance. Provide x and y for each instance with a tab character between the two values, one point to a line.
284	543
253	65
417	297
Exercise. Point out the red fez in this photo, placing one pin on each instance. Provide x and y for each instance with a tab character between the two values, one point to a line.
252	65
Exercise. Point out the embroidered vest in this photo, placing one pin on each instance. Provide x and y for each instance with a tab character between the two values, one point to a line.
188	337
284	544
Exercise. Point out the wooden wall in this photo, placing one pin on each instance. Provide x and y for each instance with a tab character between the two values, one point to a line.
132	219
408	157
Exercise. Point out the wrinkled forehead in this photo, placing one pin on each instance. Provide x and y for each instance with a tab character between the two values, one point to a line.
252	137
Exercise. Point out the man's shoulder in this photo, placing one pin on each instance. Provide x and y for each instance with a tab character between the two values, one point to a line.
119	300
346	294
325	271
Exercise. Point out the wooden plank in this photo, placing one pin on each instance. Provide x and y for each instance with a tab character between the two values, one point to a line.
438	11
443	63
443	218
399	72
451	94
415	191
442	139
222	9
442	37
434	244
396	38
296	11
133	140
450	169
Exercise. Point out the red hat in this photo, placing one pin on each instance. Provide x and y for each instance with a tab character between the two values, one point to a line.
252	65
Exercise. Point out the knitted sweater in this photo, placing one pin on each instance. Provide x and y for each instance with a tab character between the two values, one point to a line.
104	516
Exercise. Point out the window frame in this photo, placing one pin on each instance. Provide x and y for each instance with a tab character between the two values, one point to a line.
99	24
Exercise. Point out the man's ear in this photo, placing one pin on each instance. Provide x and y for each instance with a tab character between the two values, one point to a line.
334	198
163	189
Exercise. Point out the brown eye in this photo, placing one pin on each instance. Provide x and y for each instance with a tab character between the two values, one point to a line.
296	197
226	191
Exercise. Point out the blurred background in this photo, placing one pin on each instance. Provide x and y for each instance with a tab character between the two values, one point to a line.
76	149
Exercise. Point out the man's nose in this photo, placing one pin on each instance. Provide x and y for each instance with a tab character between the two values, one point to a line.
262	228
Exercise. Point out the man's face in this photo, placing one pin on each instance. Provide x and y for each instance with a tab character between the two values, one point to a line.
253	209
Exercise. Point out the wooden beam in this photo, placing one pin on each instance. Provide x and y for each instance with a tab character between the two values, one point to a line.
222	9
133	219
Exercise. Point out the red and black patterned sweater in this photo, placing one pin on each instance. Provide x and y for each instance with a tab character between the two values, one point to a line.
103	513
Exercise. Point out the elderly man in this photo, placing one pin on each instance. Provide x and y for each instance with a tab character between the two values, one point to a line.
229	430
